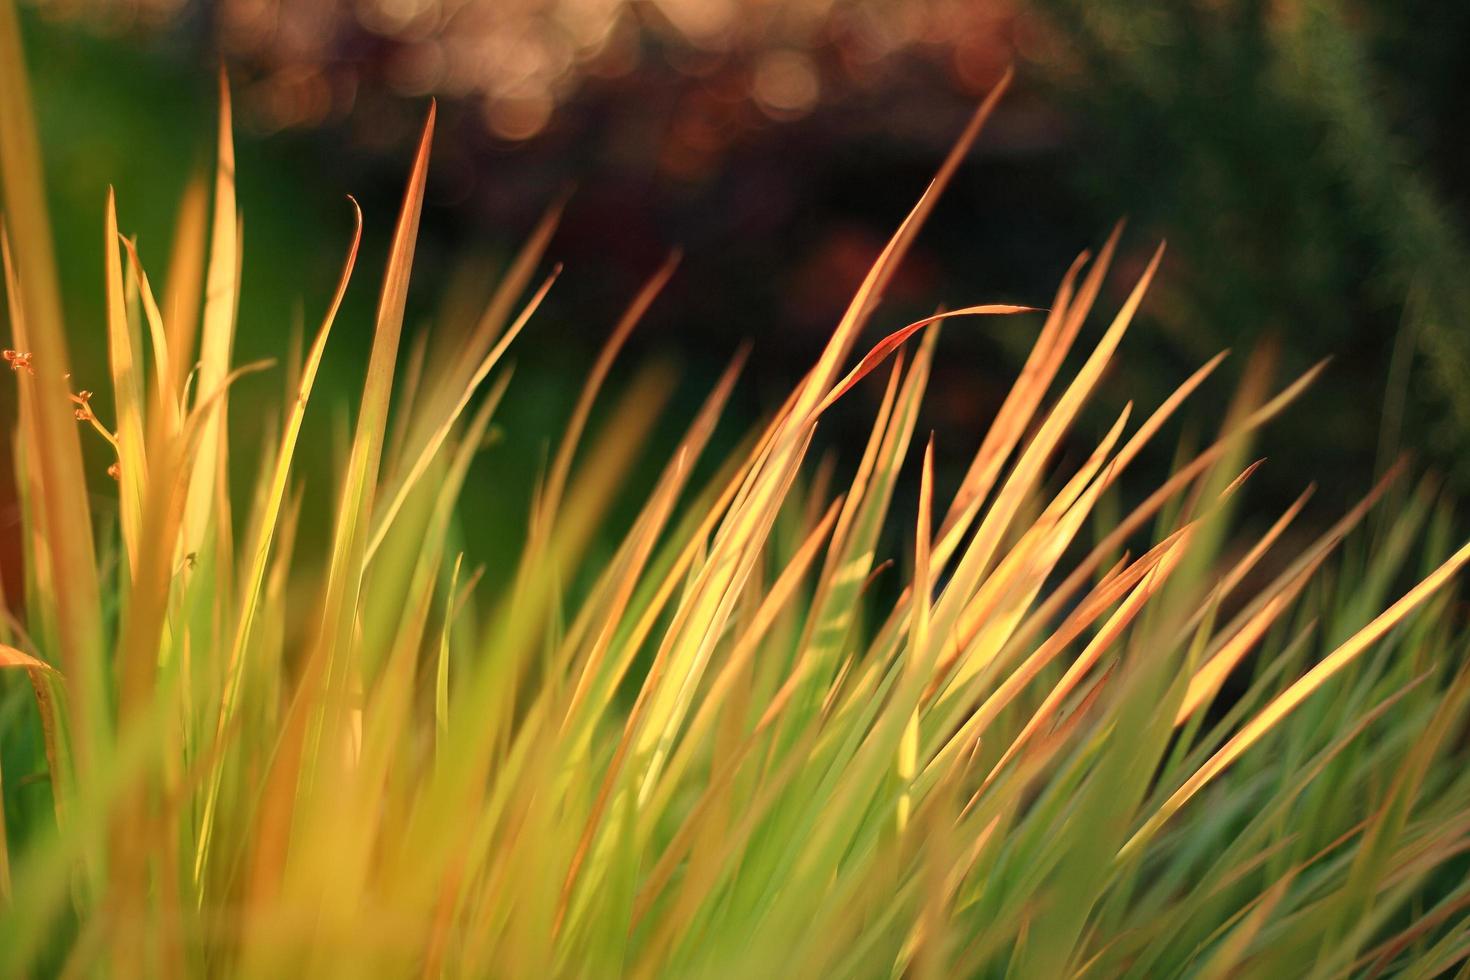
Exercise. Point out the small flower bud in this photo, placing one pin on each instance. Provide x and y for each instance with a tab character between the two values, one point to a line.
18	360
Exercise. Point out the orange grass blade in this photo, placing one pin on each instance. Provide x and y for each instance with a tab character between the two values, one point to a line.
349	547
893	341
183	287
51	427
41	675
819	380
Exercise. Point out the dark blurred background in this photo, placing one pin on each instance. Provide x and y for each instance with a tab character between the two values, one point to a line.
1303	159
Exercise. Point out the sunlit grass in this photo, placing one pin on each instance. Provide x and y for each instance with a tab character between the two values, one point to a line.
727	753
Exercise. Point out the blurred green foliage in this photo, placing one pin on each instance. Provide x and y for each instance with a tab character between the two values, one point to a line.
1303	160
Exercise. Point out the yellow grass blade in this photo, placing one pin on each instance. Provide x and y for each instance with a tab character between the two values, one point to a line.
1107	592
441	670
741	656
636	552
1171	487
269	514
441	432
1208	678
985	623
908	750
167	408
1212	673
1293	696
127	386
221	296
1112	629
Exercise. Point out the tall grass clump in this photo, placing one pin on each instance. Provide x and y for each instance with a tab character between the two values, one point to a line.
1074	738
